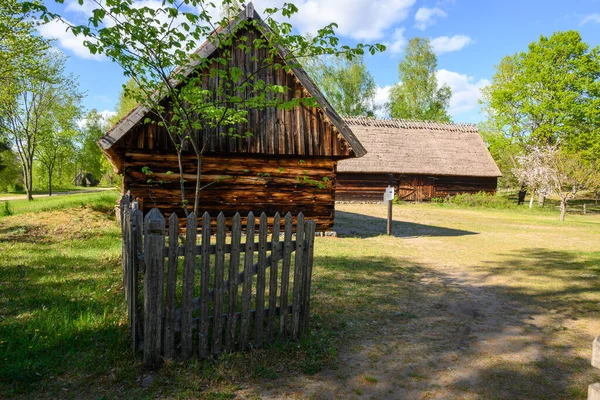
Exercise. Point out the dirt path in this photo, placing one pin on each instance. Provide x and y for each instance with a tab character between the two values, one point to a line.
35	196
461	329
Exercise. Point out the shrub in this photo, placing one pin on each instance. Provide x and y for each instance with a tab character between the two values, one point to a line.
481	199
6	211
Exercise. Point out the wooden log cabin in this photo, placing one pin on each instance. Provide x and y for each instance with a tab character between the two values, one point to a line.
288	164
426	160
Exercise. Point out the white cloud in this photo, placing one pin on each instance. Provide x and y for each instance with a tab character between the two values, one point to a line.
595	18
398	41
382	96
466	91
447	44
105	115
426	17
358	19
58	30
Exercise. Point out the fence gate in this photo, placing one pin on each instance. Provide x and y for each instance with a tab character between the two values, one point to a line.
221	294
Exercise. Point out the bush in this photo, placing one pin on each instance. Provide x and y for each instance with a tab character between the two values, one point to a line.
6	211
16	188
481	199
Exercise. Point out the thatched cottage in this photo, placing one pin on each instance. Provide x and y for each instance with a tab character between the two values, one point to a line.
426	160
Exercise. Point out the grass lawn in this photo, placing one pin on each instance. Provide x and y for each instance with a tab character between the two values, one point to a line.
459	303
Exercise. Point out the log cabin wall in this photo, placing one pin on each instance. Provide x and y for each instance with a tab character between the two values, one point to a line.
357	187
236	184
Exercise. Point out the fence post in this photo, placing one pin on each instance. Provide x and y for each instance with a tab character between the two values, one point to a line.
298	269
124	208
137	226
154	242
189	265
308	266
594	388
169	343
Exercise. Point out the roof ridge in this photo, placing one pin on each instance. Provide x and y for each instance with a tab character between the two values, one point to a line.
401	123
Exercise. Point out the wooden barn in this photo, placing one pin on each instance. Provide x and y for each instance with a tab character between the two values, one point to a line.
287	165
426	159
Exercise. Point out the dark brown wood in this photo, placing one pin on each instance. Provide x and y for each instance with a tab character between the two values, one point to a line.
369	187
285	275
154	227
275	250
298	277
171	289
247	286
260	282
217	332
204	282
189	267
308	265
234	267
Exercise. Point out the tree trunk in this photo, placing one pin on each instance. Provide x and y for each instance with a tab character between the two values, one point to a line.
49	183
563	209
28	181
531	199
522	194
541	200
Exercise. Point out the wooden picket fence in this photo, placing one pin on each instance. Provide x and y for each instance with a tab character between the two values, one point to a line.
179	316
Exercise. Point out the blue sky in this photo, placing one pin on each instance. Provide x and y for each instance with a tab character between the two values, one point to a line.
470	37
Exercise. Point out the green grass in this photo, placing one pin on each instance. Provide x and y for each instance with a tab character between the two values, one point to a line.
99	201
389	314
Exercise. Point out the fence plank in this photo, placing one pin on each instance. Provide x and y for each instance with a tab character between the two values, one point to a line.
285	275
273	278
123	206
204	282
234	269
154	227
169	343
298	270
310	228
188	286
259	322
247	286
217	332
137	248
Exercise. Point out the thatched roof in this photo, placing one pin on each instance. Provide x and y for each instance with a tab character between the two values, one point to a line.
421	148
207	49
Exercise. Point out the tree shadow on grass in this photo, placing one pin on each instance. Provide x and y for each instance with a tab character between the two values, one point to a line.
349	224
420	333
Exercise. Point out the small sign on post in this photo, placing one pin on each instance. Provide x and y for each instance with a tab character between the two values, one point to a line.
388	197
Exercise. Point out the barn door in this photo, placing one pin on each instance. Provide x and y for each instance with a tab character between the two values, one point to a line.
425	189
407	190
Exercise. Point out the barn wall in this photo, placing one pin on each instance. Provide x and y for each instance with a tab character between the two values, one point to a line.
300	131
236	184
370	187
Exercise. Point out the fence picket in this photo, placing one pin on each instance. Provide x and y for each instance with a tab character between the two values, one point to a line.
123	207
259	321
217	332
247	285
298	270
308	263
204	282
154	227
188	286
234	270
273	278
169	343
285	276
137	234
165	328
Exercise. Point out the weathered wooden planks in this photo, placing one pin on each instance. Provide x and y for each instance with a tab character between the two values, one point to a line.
169	323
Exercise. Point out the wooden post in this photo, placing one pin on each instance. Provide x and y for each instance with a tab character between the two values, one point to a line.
298	270
308	264
204	282
169	349
273	278
234	267
390	201
259	317
247	284
217	332
189	265
594	388
154	229
285	276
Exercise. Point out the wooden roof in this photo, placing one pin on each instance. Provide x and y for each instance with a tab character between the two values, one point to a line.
134	118
420	148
